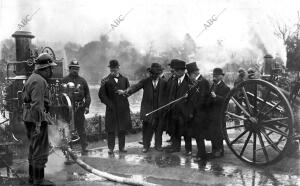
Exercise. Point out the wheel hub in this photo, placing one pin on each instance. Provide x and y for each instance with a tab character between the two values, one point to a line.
252	124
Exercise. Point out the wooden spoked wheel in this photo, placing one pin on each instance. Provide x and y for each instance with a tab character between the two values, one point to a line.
257	122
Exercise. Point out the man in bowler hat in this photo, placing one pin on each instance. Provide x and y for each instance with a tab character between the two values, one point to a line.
180	111
154	96
117	115
197	100
218	92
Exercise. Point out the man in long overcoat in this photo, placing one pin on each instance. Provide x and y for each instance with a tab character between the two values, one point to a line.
180	111
117	115
154	96
218	92
197	98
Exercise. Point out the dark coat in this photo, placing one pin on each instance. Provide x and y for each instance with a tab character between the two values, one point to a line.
147	104
197	99
180	110
215	106
82	87
117	115
36	98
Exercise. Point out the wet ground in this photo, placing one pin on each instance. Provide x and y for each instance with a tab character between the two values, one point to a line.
163	168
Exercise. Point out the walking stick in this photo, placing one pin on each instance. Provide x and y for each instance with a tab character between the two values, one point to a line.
195	84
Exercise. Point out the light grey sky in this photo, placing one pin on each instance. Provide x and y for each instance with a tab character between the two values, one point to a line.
162	22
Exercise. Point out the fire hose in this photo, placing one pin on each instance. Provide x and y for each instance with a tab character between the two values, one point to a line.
67	150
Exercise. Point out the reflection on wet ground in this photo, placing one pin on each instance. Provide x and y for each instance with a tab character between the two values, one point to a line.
240	175
228	168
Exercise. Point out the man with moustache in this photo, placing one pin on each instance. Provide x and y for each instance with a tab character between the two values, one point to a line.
197	98
153	97
180	111
117	115
36	105
218	92
81	99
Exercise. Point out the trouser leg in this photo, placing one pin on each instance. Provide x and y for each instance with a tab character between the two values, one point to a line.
79	124
201	147
177	136
147	135
121	138
158	134
111	140
188	143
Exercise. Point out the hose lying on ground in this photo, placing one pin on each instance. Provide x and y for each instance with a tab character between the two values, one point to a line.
106	175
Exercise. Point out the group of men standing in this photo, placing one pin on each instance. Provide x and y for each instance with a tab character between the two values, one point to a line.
183	105
193	112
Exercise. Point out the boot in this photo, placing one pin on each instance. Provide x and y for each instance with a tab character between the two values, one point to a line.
39	178
30	171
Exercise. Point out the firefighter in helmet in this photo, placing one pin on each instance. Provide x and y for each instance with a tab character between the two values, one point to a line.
35	96
79	93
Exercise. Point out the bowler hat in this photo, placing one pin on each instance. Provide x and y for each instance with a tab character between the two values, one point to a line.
191	67
74	63
155	68
242	70
268	56
44	60
218	71
113	63
251	71
178	64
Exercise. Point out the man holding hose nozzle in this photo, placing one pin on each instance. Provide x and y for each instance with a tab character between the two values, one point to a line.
180	114
36	104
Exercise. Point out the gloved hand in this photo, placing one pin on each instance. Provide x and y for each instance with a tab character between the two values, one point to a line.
86	110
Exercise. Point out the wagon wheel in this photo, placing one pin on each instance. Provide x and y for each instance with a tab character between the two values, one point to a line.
49	51
257	122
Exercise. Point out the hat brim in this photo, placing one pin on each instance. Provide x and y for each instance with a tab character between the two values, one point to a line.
179	68
219	74
77	66
110	66
155	71
37	66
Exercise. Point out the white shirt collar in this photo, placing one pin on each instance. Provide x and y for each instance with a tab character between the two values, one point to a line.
181	78
198	76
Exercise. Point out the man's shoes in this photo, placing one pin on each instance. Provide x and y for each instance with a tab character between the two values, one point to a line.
188	153
172	150
84	151
168	147
199	158
122	151
159	149
145	150
218	154
110	152
141	142
38	178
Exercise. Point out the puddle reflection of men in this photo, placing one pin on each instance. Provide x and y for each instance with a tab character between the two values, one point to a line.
81	100
36	102
117	115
